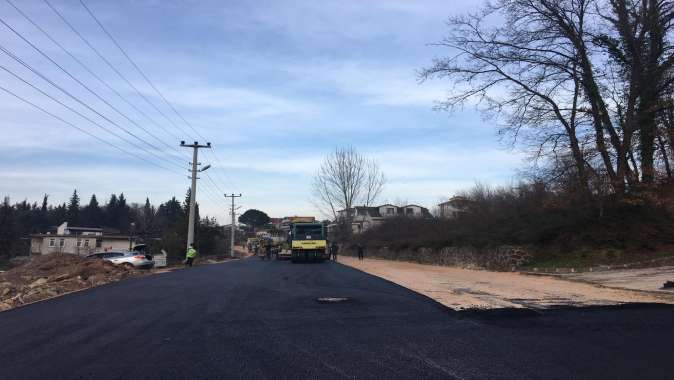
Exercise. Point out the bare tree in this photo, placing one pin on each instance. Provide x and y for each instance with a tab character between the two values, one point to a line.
346	179
574	81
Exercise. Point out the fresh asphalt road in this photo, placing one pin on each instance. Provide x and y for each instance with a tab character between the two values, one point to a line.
255	319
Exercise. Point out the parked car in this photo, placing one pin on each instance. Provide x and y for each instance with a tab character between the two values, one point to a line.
129	258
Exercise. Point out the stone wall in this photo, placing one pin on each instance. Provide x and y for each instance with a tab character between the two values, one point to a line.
502	258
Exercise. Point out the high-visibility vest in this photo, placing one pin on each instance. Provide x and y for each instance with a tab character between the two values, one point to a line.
191	253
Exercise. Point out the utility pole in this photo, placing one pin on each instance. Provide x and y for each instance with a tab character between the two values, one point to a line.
231	240
193	191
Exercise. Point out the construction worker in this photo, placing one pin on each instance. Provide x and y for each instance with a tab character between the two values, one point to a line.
190	255
334	248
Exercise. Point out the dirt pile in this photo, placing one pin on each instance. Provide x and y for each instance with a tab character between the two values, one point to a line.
47	276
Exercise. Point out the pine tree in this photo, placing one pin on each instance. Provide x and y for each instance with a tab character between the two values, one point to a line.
59	214
123	214
7	224
111	211
186	203
45	204
73	214
147	220
92	214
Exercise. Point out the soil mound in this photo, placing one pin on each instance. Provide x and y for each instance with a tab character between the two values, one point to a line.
47	276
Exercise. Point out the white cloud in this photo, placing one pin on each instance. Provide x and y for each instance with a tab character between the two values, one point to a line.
252	103
374	84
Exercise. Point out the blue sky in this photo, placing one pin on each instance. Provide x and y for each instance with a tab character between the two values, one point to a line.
273	85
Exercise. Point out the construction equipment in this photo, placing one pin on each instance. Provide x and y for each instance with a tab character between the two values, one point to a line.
252	244
308	242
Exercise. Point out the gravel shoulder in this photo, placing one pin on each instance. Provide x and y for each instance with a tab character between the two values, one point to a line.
462	289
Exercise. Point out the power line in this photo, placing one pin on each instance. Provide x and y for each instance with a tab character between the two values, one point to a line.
83	85
215	198
226	177
69	108
81	129
38	73
140	71
133	63
97	52
214	184
147	79
114	69
42	76
92	73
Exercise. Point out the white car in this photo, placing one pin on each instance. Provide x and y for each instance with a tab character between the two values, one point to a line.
129	258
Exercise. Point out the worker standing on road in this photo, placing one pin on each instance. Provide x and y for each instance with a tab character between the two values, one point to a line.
361	252
190	255
334	248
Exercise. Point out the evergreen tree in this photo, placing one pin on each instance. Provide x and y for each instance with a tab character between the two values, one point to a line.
186	203
254	218
171	220
42	219
146	225
111	211
123	214
73	214
7	224
92	215
45	204
59	214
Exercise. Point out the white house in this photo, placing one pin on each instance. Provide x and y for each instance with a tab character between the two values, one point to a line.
78	241
364	218
454	207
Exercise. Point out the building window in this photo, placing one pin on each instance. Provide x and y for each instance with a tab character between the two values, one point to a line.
86	243
79	243
99	243
390	211
410	211
62	242
52	242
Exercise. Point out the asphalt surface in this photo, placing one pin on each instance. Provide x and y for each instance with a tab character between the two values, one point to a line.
255	319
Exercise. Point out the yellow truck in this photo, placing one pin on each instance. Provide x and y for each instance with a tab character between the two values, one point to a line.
308	242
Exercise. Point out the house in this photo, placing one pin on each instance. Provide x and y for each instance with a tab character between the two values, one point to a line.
364	217
454	207
78	240
275	223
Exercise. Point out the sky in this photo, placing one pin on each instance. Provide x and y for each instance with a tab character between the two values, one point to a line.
274	86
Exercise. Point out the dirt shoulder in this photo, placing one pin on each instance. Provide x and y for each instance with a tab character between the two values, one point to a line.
644	279
461	289
49	276
44	277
